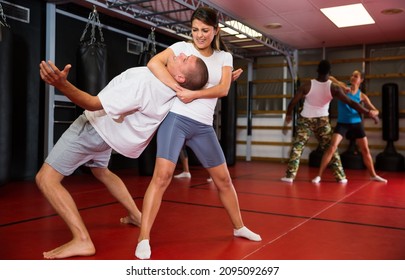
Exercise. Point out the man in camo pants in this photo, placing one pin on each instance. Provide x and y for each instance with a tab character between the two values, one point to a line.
314	118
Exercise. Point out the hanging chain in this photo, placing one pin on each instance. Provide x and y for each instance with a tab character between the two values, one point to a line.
3	17
152	37
93	19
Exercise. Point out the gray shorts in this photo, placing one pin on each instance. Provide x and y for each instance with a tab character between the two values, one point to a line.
80	144
176	130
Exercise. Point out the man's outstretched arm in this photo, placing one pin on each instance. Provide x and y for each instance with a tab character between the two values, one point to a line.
53	76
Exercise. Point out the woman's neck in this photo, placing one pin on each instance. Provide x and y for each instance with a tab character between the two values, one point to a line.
354	88
207	52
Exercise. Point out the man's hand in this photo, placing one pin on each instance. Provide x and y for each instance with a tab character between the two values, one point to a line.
52	75
374	115
287	120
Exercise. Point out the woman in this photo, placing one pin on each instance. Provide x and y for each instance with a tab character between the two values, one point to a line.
190	122
349	120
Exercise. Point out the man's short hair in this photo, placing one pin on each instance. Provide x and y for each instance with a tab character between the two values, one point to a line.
324	67
197	78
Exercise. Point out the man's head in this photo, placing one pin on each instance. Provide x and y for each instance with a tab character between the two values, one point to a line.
189	71
324	68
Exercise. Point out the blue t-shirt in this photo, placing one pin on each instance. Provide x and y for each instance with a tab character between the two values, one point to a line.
347	114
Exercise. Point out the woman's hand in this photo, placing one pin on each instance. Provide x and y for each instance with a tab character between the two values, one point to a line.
185	95
236	74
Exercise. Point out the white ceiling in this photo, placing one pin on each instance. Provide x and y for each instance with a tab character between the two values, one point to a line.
304	25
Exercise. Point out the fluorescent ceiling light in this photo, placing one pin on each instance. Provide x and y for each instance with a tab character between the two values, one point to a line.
348	15
229	30
238	29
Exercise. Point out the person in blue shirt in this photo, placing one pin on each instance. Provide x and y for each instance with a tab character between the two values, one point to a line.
350	121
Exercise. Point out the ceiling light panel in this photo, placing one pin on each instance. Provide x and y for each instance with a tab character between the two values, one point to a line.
348	15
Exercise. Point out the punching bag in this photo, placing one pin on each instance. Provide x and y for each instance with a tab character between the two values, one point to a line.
352	158
148	157
315	157
389	159
390	115
6	49
92	58
228	125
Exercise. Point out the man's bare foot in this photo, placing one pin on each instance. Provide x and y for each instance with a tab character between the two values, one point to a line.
131	220
71	249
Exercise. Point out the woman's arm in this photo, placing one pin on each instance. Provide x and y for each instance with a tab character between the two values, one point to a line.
217	91
157	65
367	103
339	83
54	77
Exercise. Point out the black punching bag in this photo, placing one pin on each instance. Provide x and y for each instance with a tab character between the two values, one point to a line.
148	157
352	158
228	125
390	115
6	49
389	159
315	157
92	58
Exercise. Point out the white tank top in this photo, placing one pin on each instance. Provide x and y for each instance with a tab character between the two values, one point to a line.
317	100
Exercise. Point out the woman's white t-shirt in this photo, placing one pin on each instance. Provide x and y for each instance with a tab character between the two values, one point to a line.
202	109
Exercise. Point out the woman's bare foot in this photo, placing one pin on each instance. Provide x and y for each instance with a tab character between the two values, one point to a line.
131	220
71	249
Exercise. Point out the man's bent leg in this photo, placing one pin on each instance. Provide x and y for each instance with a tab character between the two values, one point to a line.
49	182
300	140
118	189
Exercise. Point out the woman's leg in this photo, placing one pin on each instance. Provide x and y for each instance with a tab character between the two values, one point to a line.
229	199
327	155
362	143
152	200
324	135
184	163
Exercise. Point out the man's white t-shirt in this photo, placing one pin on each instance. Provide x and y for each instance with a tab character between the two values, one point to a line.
202	109
135	103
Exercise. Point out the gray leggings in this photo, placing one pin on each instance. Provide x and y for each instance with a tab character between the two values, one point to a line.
177	130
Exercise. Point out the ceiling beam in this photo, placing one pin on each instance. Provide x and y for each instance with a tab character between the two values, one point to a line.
182	29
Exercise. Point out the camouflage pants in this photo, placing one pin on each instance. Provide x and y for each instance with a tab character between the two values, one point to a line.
322	130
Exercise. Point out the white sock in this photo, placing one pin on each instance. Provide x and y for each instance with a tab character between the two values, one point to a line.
286	179
246	233
378	179
343	181
183	174
143	250
317	179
